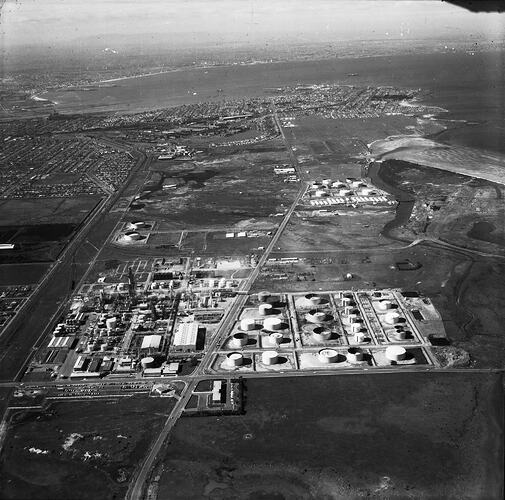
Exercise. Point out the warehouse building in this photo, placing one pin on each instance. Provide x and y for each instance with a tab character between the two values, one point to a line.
186	337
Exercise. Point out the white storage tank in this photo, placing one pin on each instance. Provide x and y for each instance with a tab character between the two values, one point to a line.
222	283
321	334
265	309
272	324
248	324
396	353
234	359
384	305
276	338
147	362
356	327
354	355
360	337
328	356
400	334
346	301
392	318
269	357
239	339
132	236
138	224
313	299
263	296
316	317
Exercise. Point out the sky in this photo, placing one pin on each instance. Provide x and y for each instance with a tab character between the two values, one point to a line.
60	23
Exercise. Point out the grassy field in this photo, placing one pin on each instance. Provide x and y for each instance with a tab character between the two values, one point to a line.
383	436
78	450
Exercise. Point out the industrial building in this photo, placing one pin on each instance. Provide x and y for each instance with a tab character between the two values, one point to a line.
186	337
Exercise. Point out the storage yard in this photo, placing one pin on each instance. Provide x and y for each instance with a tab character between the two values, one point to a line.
331	330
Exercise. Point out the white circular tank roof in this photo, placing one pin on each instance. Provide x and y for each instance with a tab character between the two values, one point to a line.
272	323
396	353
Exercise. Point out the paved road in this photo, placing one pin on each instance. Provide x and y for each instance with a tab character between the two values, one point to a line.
137	485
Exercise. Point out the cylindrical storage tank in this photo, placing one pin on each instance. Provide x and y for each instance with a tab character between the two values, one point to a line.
400	335
338	185
111	323
346	301
132	236
353	318
359	337
316	317
147	362
263	296
396	353
269	357
222	283
138	224
326	182
354	355
229	284
272	324
313	299
384	305
239	339
235	359
247	324
320	193
356	327
328	356
349	309
212	283
321	334
265	309
276	338
392	318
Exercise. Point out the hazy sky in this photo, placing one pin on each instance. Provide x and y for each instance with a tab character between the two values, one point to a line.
62	22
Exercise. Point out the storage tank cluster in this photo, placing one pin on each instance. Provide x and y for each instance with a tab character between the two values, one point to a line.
327	356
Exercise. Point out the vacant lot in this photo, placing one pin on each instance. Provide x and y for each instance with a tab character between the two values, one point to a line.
380	436
79	450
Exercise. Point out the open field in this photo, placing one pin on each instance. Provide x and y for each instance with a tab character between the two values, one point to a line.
51	454
47	211
221	190
365	436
